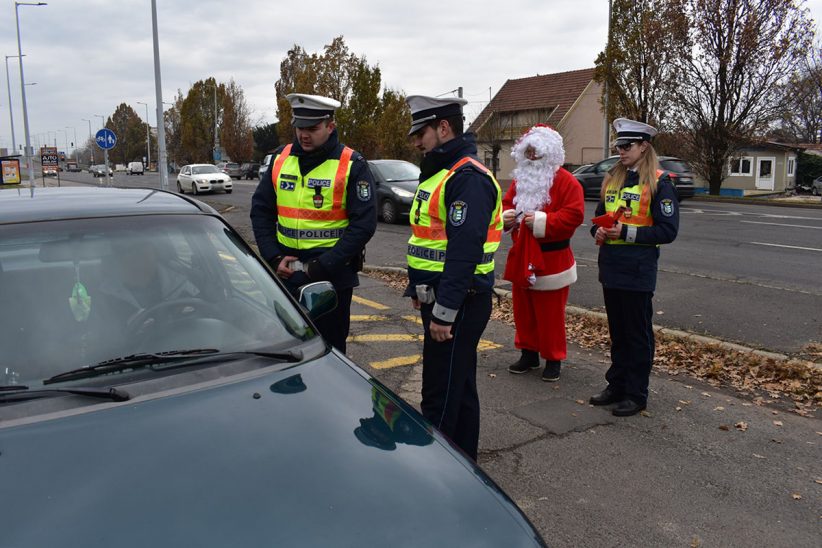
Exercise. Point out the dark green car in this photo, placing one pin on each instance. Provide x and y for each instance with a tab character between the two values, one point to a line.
159	387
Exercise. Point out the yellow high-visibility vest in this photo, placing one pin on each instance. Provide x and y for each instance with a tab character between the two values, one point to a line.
311	209
428	242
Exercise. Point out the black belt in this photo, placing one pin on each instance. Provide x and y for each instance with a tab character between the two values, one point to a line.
555	246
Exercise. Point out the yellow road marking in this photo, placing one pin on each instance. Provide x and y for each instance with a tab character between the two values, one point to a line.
396	362
415	319
366	318
405	337
366	302
385	338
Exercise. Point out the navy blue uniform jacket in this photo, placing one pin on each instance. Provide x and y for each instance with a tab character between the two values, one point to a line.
633	267
464	250
338	262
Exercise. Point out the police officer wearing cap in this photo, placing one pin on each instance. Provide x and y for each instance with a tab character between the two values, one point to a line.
314	210
641	204
456	225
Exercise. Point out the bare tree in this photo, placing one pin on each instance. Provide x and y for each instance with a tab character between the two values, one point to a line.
742	54
637	67
802	115
235	134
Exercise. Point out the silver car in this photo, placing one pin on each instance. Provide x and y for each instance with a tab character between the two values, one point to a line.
203	178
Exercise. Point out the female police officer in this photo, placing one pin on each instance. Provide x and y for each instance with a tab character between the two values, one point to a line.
640	208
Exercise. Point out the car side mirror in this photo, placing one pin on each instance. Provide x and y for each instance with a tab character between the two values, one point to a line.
318	299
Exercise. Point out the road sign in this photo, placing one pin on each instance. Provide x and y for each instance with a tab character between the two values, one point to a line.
105	139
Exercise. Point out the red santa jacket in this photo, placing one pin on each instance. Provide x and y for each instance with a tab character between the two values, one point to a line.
554	226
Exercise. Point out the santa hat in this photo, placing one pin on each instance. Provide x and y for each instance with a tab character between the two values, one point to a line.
546	142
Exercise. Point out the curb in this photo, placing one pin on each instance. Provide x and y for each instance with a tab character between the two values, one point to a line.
756	201
675	333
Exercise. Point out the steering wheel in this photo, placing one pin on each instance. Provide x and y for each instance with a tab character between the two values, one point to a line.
169	311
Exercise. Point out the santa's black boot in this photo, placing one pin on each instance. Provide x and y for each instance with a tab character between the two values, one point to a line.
528	360
551	372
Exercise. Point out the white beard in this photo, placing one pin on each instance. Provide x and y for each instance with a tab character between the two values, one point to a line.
534	180
535	177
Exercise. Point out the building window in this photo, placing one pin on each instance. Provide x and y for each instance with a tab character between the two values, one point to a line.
742	165
791	166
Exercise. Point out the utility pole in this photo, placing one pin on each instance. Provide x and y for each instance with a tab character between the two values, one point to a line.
606	144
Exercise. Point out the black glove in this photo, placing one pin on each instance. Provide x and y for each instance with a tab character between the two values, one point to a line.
315	270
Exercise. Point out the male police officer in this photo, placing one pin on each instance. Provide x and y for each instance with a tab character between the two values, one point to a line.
456	226
314	210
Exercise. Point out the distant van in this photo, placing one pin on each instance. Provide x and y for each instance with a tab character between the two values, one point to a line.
135	168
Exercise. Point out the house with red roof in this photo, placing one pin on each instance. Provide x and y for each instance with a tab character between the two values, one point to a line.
569	102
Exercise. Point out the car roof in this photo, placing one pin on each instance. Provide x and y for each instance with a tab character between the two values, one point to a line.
201	165
46	204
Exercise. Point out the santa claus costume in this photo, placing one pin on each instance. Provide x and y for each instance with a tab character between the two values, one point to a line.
542	208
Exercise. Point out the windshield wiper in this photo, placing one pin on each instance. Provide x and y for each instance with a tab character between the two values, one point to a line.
22	393
151	360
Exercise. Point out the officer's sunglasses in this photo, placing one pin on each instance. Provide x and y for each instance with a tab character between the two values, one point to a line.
625	146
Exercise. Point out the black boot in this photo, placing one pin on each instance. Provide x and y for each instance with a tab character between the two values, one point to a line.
528	360
551	373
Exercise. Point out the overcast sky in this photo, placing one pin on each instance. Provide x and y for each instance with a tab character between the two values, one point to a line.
88	56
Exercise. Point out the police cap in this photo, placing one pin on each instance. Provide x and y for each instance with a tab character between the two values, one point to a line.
310	110
424	109
628	131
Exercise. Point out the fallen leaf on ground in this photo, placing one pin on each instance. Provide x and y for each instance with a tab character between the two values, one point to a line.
719	408
724	427
796	496
741	425
758	456
777	423
492	375
678	408
706	394
645	414
581	402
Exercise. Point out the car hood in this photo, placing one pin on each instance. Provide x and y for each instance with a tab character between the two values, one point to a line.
313	455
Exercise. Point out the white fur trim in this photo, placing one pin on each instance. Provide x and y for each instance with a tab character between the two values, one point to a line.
555	281
540	220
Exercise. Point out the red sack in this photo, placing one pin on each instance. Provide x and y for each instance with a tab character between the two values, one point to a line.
524	259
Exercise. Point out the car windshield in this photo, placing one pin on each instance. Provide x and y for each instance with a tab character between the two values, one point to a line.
397	170
232	166
75	293
677	166
202	170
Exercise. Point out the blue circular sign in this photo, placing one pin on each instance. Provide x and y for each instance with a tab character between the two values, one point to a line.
105	139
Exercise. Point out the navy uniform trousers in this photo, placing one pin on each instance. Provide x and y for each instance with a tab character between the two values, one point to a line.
630	322
449	373
335	325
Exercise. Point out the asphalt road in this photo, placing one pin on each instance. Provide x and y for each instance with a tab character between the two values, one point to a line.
749	274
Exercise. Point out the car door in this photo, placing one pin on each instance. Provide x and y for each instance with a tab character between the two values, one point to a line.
184	177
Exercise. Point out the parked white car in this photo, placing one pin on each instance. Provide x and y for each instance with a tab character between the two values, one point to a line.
134	168
202	178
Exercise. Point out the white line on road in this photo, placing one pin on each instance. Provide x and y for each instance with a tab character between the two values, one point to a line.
781	224
788	246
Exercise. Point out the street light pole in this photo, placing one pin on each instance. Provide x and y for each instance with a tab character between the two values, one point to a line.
158	94
91	144
29	162
11	110
148	138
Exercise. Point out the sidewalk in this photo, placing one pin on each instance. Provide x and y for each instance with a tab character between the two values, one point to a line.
702	467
